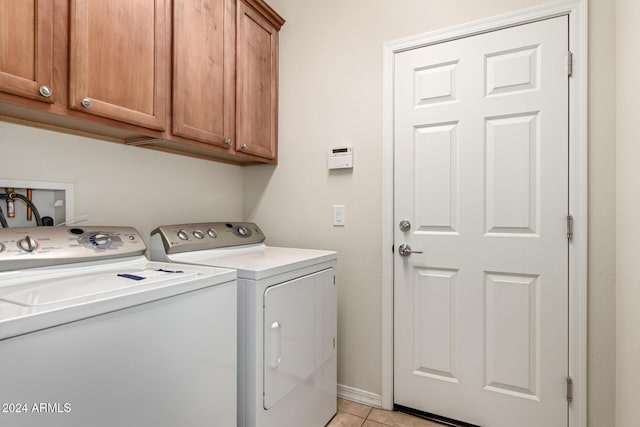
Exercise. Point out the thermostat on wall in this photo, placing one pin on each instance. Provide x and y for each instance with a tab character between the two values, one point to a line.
340	157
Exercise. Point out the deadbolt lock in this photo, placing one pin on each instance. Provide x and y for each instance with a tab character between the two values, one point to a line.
405	225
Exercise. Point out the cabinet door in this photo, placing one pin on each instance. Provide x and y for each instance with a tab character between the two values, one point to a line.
117	60
203	70
26	46
257	85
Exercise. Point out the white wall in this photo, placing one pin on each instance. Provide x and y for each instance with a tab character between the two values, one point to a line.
120	185
331	94
628	211
602	220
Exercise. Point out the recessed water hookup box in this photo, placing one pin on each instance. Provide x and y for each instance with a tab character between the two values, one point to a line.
52	199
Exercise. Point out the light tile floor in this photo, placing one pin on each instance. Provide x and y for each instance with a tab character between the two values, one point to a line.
352	414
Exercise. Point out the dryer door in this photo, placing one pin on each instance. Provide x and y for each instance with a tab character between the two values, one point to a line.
299	332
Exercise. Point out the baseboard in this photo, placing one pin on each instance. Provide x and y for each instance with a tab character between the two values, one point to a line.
360	396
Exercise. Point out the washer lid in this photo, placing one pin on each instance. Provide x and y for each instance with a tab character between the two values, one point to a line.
40	298
257	262
66	289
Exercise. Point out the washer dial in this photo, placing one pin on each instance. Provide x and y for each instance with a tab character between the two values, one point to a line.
28	244
100	240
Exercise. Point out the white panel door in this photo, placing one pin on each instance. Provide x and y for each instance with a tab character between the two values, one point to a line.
481	173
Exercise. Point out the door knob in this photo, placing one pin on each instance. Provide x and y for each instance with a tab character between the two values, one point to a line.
405	250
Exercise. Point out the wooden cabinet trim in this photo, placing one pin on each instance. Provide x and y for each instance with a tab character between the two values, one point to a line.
267	12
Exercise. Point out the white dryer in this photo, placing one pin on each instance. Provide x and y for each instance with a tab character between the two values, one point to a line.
93	334
287	313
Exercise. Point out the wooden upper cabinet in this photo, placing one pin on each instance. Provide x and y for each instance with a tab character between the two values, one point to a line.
204	70
117	53
257	79
26	48
110	68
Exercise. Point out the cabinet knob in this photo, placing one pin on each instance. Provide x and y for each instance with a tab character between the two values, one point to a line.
45	91
86	103
244	146
228	142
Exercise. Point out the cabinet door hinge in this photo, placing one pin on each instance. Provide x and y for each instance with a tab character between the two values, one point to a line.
570	227
569	389
569	63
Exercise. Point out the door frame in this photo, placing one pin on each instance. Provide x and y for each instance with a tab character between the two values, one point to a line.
577	11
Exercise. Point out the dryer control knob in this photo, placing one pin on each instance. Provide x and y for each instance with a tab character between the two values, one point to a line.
198	234
1	247
212	233
182	235
28	244
243	231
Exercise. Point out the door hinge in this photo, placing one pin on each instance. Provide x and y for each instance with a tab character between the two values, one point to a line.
569	389
569	64
570	227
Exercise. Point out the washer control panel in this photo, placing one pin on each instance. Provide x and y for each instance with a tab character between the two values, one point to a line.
207	235
28	247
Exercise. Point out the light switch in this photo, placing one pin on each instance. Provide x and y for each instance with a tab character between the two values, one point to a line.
339	216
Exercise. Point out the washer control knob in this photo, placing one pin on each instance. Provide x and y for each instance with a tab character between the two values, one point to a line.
212	233
101	239
182	235
2	247
198	234
28	244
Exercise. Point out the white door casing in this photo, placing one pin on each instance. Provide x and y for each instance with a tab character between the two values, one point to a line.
481	171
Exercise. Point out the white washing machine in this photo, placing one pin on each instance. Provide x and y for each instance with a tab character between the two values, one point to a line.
94	334
286	319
